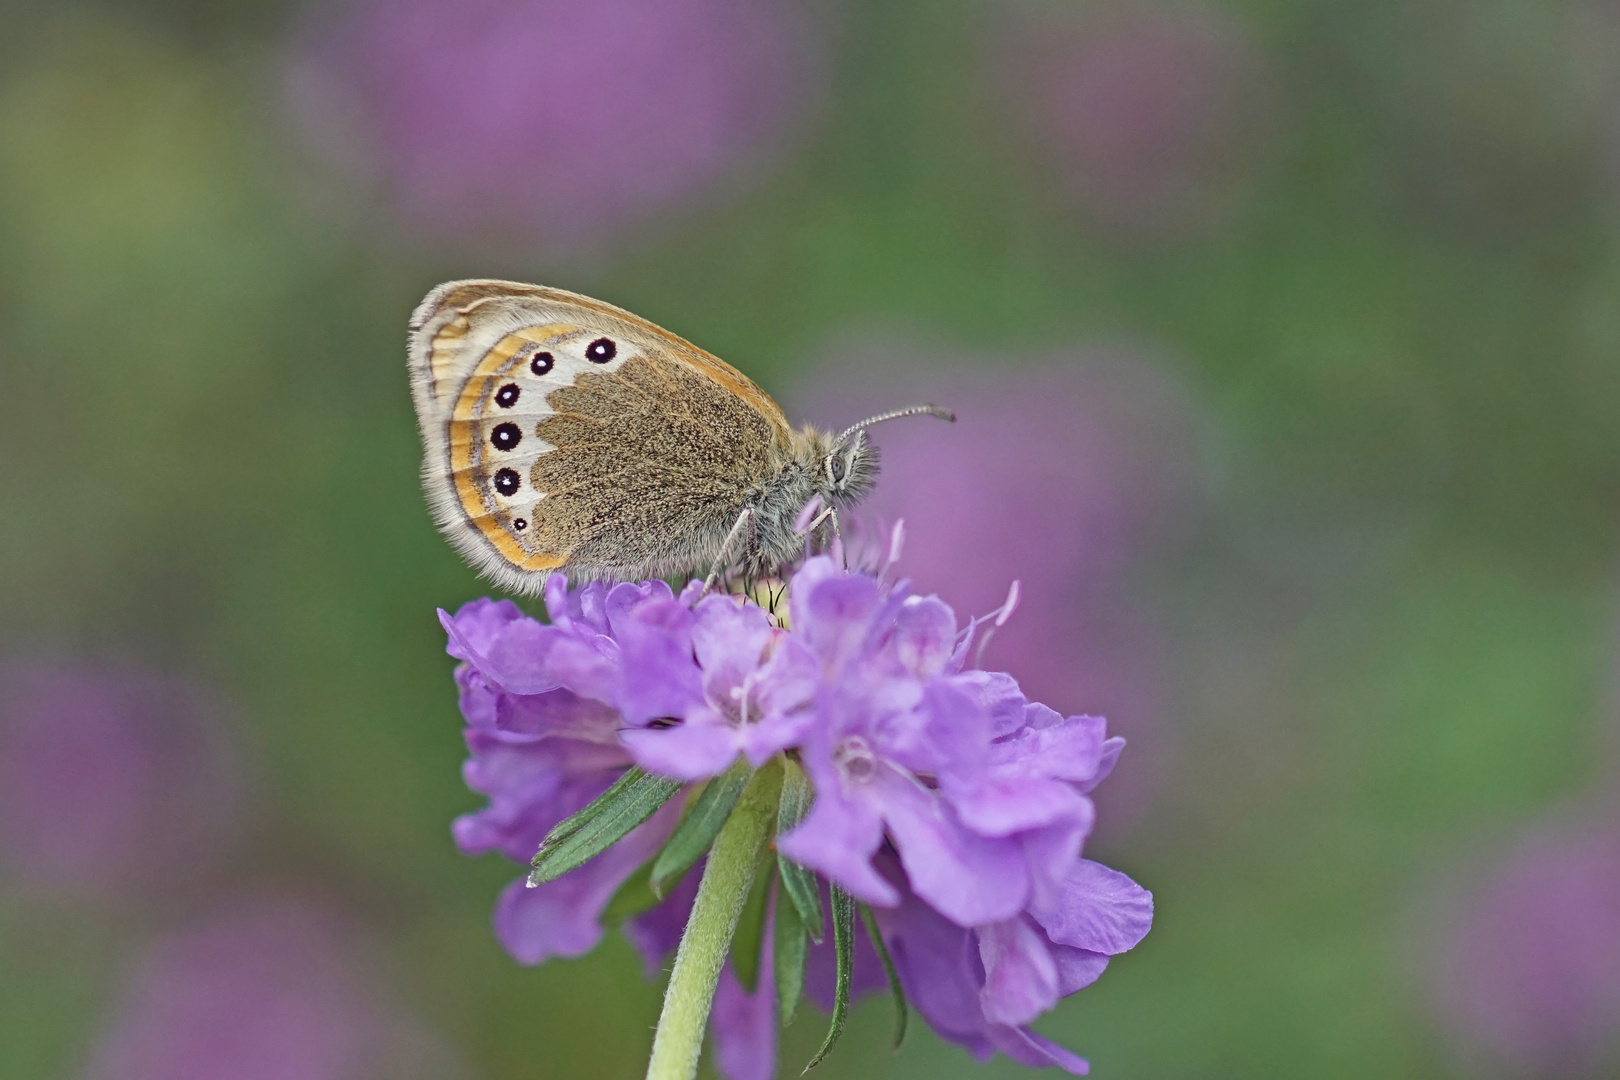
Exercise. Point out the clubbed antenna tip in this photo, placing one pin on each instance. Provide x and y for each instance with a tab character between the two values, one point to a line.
915	410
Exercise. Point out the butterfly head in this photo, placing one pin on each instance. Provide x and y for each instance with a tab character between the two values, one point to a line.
848	462
849	469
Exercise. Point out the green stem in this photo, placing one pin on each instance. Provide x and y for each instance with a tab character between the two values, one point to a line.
707	939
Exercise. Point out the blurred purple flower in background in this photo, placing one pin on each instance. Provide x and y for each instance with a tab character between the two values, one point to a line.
1148	114
1529	980
1061	473
110	777
561	121
271	990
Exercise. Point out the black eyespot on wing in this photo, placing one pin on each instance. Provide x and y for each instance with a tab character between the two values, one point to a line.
506	481
542	362
507	396
505	436
519	524
601	350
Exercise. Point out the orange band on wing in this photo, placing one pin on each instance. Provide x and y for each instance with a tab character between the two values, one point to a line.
465	448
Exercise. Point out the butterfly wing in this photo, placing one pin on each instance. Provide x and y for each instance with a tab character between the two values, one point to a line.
563	433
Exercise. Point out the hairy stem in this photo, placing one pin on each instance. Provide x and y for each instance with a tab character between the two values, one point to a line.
707	938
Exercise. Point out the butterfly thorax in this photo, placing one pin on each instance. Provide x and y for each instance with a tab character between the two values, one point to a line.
814	466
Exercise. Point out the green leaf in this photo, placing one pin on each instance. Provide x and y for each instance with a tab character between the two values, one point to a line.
805	898
749	940
792	949
633	798
700	826
798	882
901	1013
843	920
573	822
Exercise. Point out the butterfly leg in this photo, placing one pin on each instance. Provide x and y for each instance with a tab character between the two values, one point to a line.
744	519
826	514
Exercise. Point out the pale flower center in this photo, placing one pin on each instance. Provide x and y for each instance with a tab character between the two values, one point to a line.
855	760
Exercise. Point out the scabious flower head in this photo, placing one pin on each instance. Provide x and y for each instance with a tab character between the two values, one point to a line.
564	123
113	779
1527	979
940	795
270	989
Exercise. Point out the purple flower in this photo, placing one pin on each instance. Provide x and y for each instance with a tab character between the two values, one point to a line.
110	776
267	991
564	120
941	794
1529	980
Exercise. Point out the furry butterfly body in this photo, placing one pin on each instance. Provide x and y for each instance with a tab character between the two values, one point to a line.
563	434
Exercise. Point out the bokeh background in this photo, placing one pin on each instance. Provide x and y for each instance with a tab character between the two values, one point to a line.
1284	338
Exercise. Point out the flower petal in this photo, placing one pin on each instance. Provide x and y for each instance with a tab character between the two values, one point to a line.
1028	1048
1012	806
1098	909
832	613
838	837
970	879
924	635
997	693
696	749
475	625
1020	976
1077	968
511	653
729	640
659	677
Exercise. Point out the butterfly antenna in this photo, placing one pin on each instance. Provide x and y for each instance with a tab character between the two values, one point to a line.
915	410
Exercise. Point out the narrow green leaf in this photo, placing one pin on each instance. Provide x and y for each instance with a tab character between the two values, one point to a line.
700	826
798	882
901	1013
749	940
572	823
792	949
800	886
843	920
625	805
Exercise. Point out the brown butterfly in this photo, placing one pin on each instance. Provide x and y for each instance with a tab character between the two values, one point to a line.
563	434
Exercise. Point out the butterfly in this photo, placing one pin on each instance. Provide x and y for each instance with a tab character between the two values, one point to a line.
565	435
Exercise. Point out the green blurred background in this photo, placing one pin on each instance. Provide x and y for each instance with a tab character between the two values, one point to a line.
1371	246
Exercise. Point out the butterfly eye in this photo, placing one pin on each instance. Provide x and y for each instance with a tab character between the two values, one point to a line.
836	467
601	350
541	363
